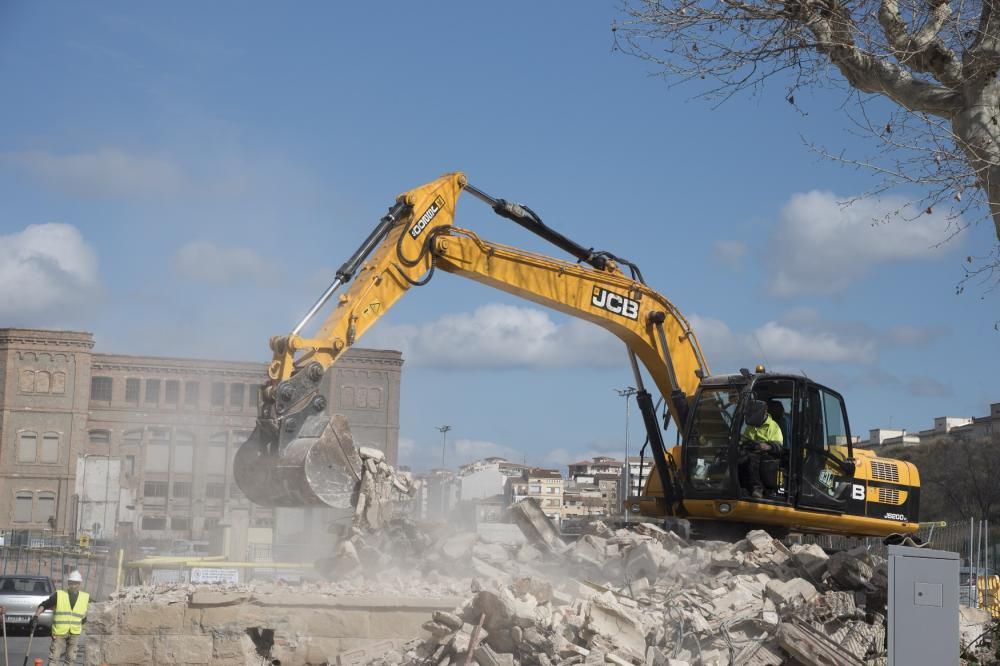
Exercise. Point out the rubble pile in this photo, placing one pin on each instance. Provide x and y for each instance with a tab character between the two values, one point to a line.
646	596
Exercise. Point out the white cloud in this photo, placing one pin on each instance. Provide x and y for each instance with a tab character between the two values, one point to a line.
469	450
783	343
558	458
907	335
105	173
48	273
821	246
501	336
801	336
729	253
206	262
459	452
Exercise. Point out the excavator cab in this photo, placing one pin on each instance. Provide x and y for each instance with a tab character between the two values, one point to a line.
817	482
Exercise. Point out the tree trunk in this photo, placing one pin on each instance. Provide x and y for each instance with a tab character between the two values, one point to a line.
977	131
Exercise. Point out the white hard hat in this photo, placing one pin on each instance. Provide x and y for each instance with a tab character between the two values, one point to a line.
74	577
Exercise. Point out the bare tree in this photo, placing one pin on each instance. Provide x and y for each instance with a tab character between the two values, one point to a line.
935	60
958	478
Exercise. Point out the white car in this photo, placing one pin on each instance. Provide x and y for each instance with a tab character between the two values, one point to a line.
21	595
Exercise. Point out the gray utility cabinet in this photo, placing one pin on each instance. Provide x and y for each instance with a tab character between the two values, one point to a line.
923	607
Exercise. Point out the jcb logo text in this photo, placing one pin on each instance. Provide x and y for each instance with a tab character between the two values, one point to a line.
615	303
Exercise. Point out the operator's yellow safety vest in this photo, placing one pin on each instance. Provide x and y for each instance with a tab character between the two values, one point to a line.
68	619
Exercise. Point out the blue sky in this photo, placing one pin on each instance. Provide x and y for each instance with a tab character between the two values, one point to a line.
183	178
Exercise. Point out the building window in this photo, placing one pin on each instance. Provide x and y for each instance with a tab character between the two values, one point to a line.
42	382
182	489
22	507
153	391
100	436
158	450
154	523
58	382
211	522
215	460
173	393
130	465
215	490
133	437
236	395
218	394
45	507
26	381
154	489
253	391
191	393
27	447
132	390
183	452
178	523
234	492
100	389
50	448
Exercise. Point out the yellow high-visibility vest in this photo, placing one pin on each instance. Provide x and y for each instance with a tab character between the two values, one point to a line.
68	619
768	431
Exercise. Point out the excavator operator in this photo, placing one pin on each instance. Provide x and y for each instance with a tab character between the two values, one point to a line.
762	440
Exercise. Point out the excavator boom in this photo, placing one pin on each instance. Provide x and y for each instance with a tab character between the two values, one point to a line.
298	456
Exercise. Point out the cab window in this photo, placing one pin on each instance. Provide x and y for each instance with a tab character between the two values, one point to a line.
826	442
707	443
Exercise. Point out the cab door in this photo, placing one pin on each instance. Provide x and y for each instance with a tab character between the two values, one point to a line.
824	467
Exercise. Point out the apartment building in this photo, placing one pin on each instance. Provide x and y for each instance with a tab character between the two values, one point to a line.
545	485
583	502
945	429
587	469
486	478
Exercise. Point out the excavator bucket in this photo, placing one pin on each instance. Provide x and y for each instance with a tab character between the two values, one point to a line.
320	467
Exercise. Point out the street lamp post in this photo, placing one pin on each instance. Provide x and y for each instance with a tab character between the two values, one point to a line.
444	441
626	393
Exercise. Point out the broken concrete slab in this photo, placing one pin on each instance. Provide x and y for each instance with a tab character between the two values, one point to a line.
811	648
536	526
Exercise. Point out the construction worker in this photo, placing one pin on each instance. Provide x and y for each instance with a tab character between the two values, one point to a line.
761	439
68	617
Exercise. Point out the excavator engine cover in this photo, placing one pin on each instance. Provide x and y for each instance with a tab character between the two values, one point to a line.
319	467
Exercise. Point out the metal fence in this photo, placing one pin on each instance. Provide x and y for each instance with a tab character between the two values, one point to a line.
978	586
55	556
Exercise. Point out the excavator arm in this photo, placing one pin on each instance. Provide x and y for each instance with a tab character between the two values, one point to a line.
298	455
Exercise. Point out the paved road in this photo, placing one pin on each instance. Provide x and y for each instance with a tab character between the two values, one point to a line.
17	643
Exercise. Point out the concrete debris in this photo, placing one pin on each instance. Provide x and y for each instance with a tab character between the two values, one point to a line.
647	596
538	529
381	492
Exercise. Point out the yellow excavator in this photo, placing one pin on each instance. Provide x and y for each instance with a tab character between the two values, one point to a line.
300	455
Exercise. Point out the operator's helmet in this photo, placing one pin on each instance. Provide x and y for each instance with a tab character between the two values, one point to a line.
74	577
755	413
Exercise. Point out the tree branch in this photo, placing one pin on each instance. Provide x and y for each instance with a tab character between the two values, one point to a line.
983	57
923	51
833	28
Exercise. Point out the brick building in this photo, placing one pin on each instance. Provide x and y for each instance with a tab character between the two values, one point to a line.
91	442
